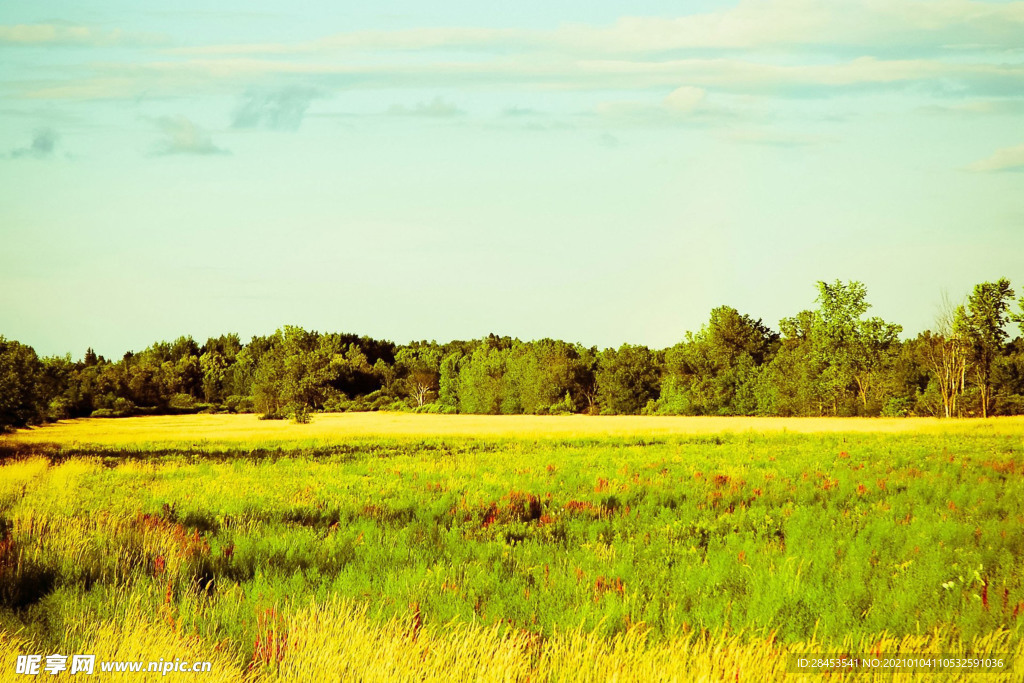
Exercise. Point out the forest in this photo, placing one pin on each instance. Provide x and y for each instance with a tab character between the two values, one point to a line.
833	360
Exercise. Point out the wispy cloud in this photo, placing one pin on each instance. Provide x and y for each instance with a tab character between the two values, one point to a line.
518	111
42	146
685	99
914	26
773	137
182	136
1005	159
168	79
436	108
280	109
55	34
686	105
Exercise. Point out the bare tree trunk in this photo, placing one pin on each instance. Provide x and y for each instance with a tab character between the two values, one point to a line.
949	360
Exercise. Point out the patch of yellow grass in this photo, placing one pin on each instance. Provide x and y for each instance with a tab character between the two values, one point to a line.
134	640
336	428
338	641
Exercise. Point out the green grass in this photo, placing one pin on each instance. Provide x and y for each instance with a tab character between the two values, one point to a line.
827	535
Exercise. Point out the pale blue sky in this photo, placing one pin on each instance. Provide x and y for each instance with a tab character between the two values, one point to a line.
597	172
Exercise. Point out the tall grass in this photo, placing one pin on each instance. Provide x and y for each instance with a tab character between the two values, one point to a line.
518	559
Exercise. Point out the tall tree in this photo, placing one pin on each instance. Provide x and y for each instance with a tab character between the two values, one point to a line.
421	367
627	379
713	371
21	402
946	351
987	314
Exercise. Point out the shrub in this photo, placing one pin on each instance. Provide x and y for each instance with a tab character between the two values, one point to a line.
896	407
181	402
338	403
59	409
123	407
564	407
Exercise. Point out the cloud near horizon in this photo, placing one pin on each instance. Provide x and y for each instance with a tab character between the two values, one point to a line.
70	35
915	26
1005	159
42	146
182	136
436	108
280	109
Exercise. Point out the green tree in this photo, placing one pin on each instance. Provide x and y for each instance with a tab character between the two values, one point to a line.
481	380
21	375
832	358
627	379
789	384
986	315
714	371
448	382
421	367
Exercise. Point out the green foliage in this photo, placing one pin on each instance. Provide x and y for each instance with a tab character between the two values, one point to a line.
181	402
714	372
897	406
20	376
627	379
833	360
448	382
984	319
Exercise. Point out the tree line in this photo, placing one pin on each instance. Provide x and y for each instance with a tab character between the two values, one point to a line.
832	360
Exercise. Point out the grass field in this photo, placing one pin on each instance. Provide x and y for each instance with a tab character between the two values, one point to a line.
422	547
248	431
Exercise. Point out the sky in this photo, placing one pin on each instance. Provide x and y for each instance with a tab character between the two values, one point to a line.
590	171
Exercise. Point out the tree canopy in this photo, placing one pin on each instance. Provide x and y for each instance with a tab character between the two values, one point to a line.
832	360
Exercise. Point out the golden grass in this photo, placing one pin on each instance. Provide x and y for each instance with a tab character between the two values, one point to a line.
134	639
338	640
335	428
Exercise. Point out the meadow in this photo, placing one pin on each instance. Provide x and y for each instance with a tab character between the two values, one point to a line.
428	547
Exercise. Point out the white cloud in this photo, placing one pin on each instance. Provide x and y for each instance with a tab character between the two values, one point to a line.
68	34
685	99
436	108
168	79
1005	159
685	105
182	136
277	109
773	137
906	25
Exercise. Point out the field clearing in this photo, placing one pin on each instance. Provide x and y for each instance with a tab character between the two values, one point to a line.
334	428
390	547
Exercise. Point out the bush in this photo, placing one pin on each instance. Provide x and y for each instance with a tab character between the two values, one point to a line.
1011	405
59	409
337	403
123	407
564	407
181	402
896	407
